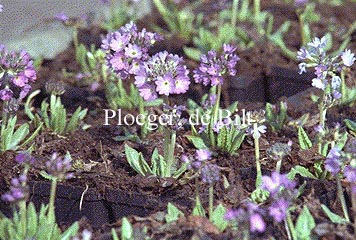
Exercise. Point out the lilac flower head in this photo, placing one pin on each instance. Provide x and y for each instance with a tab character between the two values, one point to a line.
16	74
277	181
350	174
25	158
162	74
18	190
61	17
59	167
210	173
348	58
332	162
257	224
278	150
278	209
127	48
203	154
213	68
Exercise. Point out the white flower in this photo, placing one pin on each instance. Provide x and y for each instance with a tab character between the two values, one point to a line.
335	82
319	83
348	58
302	68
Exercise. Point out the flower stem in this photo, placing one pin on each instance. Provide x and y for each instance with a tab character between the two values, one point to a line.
353	201
141	109
342	198
278	165
169	145
291	225
322	115
215	116
343	89
257	156
235	5
211	201
51	213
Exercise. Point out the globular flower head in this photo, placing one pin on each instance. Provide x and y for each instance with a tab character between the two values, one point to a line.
213	68
210	173
276	182
18	190
59	167
17	73
278	150
348	58
162	74
278	209
333	161
203	154
25	158
127	48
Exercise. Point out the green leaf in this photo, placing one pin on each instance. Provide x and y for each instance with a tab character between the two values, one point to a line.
126	230
222	141
136	161
303	139
32	220
19	135
154	103
158	164
192	53
197	141
332	216
305	224
71	231
114	234
198	209
173	213
218	217
33	135
351	125
302	171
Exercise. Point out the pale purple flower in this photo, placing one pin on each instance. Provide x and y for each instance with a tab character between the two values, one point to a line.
25	158
210	173
332	162
318	43
278	209
303	54
127	48
213	68
319	83
257	224
350	174
260	130
203	154
6	94
165	73
302	68
18	190
61	17
335	82
348	58
277	181
59	167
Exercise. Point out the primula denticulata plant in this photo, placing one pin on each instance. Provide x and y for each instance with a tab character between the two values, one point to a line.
16	76
26	223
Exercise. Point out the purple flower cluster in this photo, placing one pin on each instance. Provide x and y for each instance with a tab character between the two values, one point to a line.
249	217
162	74
173	116
326	68
282	191
25	158
59	167
213	68
209	172
18	190
16	74
333	161
127	48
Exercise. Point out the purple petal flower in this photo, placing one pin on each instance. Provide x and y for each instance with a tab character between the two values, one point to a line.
350	174
203	154
278	209
6	94
210	173
58	167
61	17
133	51
332	162
25	158
148	92
165	84
257	224
274	183
319	83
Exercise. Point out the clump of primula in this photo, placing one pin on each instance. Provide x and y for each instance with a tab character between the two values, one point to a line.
162	74
209	172
16	75
251	218
327	70
214	68
127	48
